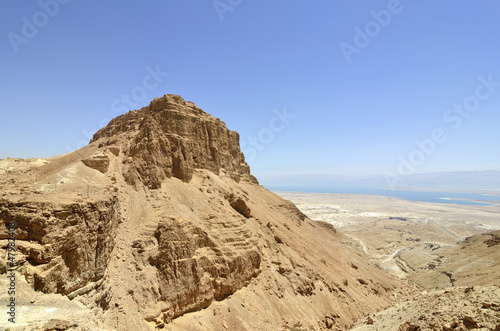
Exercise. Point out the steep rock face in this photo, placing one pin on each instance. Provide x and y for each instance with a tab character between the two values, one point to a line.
63	246
171	137
193	269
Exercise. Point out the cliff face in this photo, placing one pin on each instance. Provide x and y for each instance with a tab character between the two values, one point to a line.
159	216
62	247
191	266
171	138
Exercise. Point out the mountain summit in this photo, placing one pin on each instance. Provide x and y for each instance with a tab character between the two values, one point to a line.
171	138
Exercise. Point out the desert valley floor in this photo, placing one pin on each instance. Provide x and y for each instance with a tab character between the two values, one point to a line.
443	249
401	236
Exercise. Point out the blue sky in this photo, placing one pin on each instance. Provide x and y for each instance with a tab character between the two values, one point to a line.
326	87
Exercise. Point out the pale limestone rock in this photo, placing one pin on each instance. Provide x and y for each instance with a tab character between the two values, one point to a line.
98	161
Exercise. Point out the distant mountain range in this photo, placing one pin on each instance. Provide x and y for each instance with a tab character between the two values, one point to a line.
478	181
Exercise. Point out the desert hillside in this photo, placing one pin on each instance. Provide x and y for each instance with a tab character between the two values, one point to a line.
448	251
158	224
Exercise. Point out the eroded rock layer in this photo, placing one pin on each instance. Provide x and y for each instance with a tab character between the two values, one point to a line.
62	247
171	137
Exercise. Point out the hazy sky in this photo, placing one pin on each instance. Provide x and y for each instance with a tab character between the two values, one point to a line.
338	87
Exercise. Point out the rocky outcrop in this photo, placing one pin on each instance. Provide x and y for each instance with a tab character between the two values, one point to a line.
494	240
171	138
193	270
462	308
62	247
98	161
240	206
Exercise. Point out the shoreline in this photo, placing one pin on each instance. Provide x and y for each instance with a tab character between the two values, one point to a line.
463	201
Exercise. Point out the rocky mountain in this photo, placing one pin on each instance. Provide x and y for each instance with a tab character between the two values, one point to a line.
171	138
158	224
